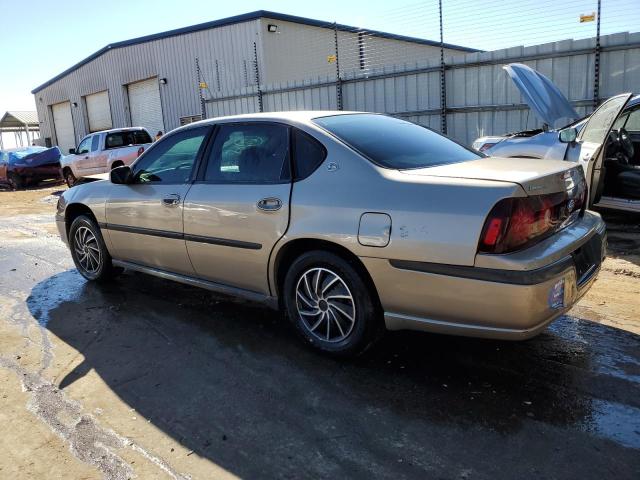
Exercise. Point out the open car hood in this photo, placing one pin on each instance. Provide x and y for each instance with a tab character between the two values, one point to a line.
542	96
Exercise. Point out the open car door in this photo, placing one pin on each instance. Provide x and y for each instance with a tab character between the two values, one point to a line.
589	147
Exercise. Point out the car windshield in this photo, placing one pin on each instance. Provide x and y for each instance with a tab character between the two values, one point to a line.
20	154
393	143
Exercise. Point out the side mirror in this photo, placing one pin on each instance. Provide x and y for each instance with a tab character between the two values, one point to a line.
121	175
72	151
568	135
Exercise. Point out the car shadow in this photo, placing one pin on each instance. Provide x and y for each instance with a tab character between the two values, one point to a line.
231	382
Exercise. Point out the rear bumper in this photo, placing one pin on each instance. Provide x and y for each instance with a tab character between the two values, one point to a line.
488	302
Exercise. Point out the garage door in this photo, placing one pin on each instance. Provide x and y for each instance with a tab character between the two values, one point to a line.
98	111
145	107
63	126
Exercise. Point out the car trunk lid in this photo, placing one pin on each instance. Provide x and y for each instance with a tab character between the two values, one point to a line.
535	176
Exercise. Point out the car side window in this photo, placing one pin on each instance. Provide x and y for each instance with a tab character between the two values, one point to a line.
95	143
250	153
308	154
85	145
172	159
633	123
114	140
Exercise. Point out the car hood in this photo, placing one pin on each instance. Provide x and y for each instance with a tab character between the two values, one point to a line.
542	95
535	176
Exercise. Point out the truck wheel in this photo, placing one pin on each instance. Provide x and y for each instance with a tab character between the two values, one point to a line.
70	178
330	304
15	181
117	164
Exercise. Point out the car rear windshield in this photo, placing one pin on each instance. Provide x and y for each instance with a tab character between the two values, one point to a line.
123	139
393	143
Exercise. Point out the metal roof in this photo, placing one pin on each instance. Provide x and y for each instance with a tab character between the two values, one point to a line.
18	119
245	17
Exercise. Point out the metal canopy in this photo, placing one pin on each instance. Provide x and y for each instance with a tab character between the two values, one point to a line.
19	122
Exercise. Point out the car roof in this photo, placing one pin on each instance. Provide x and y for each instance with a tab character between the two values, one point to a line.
290	116
122	129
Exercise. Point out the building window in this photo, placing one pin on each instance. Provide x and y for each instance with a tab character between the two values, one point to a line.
361	50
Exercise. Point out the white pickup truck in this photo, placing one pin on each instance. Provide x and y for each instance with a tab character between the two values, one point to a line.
102	151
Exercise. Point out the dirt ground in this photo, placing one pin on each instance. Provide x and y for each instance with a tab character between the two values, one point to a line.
145	378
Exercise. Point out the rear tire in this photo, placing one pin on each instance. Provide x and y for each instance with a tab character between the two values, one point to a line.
117	164
16	182
330	304
70	178
88	250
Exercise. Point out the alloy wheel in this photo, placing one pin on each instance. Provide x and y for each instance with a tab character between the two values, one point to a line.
325	305
87	250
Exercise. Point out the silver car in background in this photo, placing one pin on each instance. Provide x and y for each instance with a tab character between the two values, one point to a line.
617	179
349	222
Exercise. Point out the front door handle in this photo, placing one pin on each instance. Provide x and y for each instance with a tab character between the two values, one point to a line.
270	204
171	200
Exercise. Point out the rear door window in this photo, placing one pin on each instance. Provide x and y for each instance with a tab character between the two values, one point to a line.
95	144
308	154
126	138
250	153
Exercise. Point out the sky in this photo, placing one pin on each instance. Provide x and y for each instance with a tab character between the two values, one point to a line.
44	37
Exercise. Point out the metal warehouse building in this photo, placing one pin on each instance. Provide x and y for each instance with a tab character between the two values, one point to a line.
159	81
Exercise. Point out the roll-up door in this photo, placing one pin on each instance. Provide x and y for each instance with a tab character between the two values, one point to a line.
145	106
63	126
98	111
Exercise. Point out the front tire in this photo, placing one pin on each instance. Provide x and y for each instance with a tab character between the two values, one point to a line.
330	304
70	178
88	250
16	182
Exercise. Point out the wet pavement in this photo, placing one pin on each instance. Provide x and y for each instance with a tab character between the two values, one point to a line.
232	388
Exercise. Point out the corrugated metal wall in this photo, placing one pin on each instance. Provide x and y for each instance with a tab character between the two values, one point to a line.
481	100
226	58
171	58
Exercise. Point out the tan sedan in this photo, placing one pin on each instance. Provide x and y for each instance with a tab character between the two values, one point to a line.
350	222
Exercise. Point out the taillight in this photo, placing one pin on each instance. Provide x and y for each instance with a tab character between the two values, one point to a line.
140	150
485	146
516	223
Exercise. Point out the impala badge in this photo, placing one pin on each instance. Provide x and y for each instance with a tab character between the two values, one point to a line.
332	167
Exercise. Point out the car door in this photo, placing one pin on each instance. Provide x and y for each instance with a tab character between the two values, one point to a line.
144	218
98	155
82	156
588	148
239	207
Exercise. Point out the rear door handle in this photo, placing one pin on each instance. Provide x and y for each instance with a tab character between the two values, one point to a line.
171	200
270	204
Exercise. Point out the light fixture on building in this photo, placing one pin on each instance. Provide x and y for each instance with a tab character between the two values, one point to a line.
163	81
75	104
271	28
